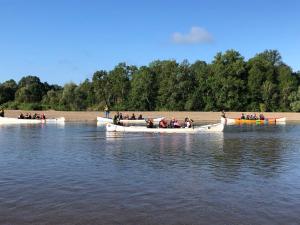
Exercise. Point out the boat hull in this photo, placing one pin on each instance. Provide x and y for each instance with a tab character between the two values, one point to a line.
7	120
232	121
206	128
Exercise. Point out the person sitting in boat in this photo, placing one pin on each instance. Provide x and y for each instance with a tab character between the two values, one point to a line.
223	114
243	116
150	123
126	117
2	113
120	116
140	117
43	117
261	116
21	116
115	120
163	123
255	117
26	116
176	124
247	117
172	121
188	123
185	120
132	117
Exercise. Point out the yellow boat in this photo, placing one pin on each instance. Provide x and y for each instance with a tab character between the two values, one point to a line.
237	121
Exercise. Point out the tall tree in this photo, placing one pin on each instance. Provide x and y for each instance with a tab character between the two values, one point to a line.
102	85
30	90
168	95
120	79
7	91
143	90
228	81
67	100
295	100
201	98
262	77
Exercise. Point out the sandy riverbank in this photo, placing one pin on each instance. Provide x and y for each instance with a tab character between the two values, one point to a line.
91	116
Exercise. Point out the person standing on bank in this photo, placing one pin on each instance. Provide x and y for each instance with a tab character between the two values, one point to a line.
223	114
106	110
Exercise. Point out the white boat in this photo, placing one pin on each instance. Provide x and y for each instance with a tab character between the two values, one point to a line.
233	121
104	120
219	127
8	120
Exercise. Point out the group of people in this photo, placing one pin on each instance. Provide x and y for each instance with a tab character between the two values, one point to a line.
252	117
34	116
118	117
174	123
247	117
27	115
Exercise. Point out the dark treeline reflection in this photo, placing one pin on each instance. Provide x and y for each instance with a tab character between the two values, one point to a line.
263	83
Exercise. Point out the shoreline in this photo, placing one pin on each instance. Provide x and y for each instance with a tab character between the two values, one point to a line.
91	116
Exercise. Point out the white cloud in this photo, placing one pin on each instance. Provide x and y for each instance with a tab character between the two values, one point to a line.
197	35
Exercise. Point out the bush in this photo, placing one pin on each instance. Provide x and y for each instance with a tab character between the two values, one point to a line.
10	105
295	106
30	106
262	107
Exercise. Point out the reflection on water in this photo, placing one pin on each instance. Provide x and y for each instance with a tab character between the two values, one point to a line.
79	174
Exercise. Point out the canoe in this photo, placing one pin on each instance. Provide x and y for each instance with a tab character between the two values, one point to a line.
219	127
232	121
104	120
8	120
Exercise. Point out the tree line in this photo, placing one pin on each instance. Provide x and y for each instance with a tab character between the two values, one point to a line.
229	82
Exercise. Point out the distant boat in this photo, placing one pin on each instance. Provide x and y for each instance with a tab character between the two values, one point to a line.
104	120
219	127
232	121
8	120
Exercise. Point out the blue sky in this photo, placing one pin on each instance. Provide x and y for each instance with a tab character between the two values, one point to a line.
68	40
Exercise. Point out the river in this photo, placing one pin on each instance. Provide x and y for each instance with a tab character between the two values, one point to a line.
79	174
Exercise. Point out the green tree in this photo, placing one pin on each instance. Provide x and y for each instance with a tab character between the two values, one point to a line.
87	92
263	76
201	98
168	96
143	90
30	90
102	85
7	91
120	84
52	99
287	83
228	81
67	100
295	100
